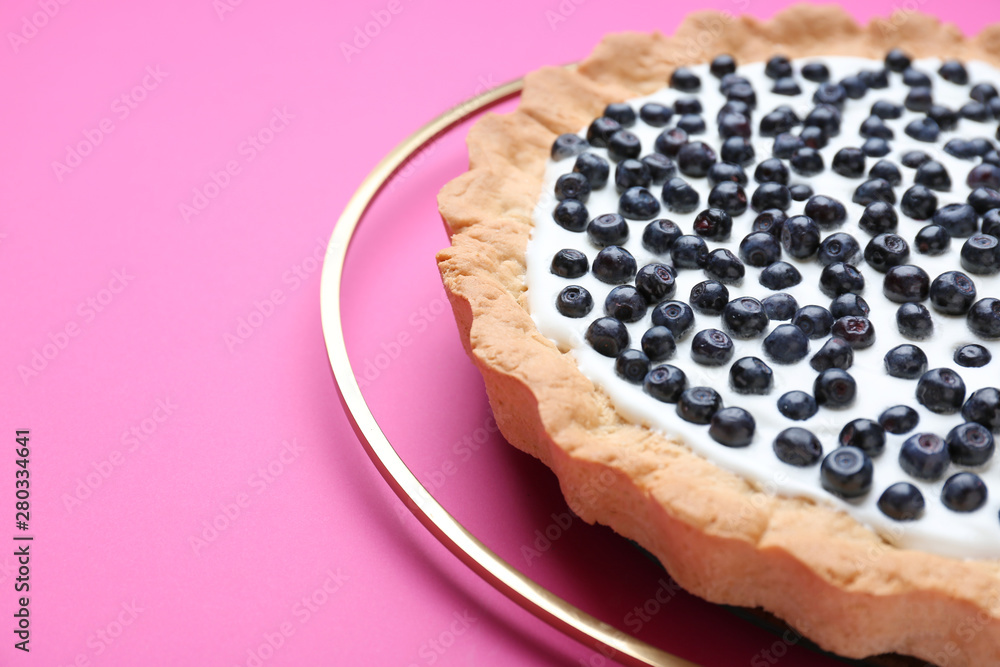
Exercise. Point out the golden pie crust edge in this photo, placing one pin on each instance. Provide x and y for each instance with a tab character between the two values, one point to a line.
720	536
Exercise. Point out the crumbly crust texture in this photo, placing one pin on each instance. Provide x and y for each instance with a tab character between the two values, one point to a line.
720	536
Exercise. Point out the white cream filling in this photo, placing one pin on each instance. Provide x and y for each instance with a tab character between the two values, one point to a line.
940	530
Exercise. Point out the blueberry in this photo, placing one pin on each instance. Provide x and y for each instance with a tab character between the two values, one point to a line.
601	130
797	405
865	434
750	375
816	72
594	168
834	388
724	266
738	150
638	204
960	148
732	125
568	145
778	67
849	305
914	321
919	99
924	456
954	71
625	303
874	190
571	215
656	282
694	159
608	229
905	361
688	105
984	318
915	78
722	65
621	112
976	111
933	175
655	115
932	240
714	224
780	275
878	79
826	211
722	172
659	236
970	444
983	407
771	196
658	343
632	366
670	142
692	123
674	315
830	93
981	254
780	307
879	217
876	147
632	174
771	170
825	116
873	126
574	301
972	356
742	92
814	137
947	119
760	249
807	162
623	145
839	278
847	472
959	220
732	427
984	200
855	86
897	60
991	223
744	317
800	236
786	344
913	159
838	247
941	390
887	110
849	162
679	196
902	501
923	129
899	419
770	220
665	383
684	80
906	282
952	293
786	145
698	404
607	336
984	176
569	263
857	330
798	447
572	186
775	123
709	297
815	321
888	171
964	492
614	265
689	252
983	92
835	353
886	251
729	197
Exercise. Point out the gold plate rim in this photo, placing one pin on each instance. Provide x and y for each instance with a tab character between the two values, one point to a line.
560	614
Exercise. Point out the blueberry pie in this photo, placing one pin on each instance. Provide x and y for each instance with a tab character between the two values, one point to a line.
753	271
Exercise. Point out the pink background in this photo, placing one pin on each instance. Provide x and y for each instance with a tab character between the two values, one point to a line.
162	342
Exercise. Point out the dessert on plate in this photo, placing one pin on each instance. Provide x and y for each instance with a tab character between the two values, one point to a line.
752	271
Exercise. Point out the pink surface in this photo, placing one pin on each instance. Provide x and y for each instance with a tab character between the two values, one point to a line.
171	175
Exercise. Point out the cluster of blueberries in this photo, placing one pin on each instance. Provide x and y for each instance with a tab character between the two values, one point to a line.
846	471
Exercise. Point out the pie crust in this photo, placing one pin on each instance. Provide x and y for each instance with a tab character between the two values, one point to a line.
720	536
